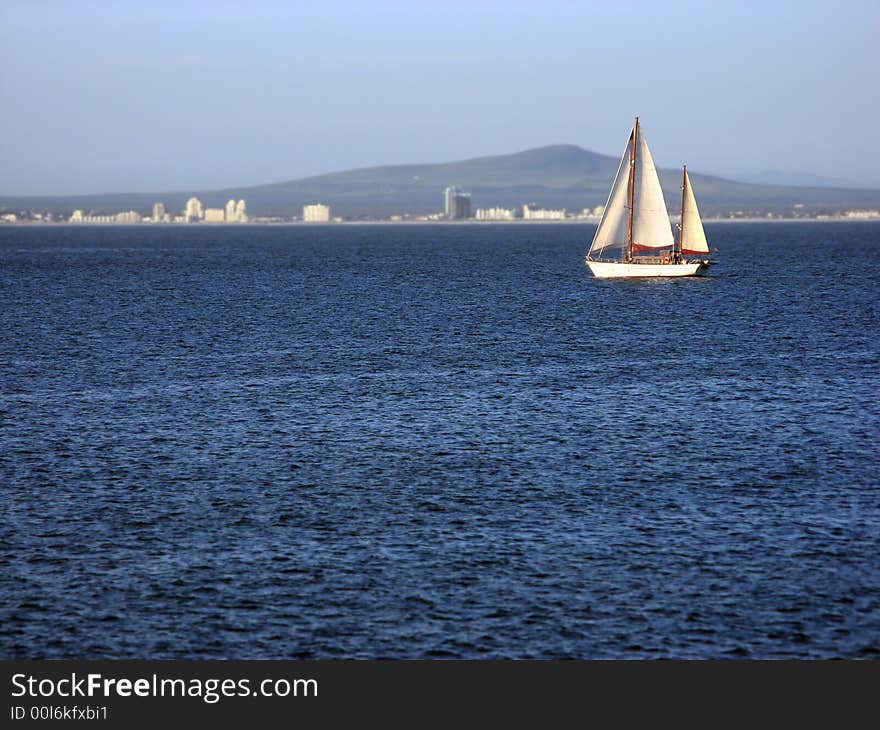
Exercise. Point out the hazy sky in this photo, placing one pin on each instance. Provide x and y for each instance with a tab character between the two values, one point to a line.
158	96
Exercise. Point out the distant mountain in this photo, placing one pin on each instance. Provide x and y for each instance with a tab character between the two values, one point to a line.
555	176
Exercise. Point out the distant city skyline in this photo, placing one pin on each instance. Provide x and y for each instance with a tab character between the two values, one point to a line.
110	97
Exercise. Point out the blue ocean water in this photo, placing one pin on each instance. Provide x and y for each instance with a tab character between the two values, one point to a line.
436	441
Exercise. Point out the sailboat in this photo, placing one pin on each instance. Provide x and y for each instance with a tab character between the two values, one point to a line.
635	224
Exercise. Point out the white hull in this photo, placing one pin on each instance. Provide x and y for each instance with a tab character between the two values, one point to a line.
617	269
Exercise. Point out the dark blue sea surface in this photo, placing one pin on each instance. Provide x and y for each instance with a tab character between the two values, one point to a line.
436	441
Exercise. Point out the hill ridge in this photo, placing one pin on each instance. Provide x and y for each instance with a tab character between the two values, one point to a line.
555	175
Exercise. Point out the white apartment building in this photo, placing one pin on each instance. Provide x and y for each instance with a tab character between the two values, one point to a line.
236	212
593	212
159	214
494	214
241	212
214	215
542	214
317	213
78	217
194	210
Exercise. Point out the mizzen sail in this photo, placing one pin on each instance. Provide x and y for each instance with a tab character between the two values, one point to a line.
693	237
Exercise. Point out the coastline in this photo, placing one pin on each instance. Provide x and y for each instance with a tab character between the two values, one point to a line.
33	223
311	224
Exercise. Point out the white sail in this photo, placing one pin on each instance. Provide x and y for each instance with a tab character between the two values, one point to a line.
611	235
693	237
651	226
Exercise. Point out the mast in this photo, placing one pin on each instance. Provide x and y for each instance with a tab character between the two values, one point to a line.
632	190
684	182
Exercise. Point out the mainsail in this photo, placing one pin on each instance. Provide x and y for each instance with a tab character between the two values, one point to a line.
649	217
651	227
693	237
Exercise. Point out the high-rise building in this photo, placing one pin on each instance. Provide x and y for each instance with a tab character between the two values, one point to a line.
456	204
158	213
448	201
236	212
194	210
317	213
241	212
